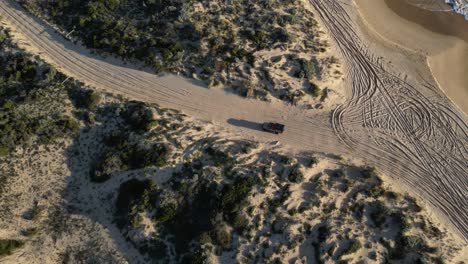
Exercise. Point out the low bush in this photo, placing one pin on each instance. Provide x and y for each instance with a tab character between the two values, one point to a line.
7	246
315	90
157	155
378	213
307	69
139	116
296	175
129	196
353	247
166	212
219	157
87	99
221	236
233	195
109	164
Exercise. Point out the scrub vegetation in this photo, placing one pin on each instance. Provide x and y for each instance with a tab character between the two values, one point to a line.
111	180
31	95
260	49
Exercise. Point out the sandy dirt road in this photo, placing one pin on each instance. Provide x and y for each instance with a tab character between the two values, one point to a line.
401	125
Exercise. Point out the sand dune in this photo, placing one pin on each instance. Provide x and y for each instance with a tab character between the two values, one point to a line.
395	116
441	36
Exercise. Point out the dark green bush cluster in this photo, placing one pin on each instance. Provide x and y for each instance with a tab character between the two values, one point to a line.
25	87
315	90
219	157
132	198
353	247
8	246
199	212
409	248
296	175
378	213
235	53
166	212
233	195
323	231
283	195
123	154
139	116
87	99
166	29
109	164
193	213
307	69
175	36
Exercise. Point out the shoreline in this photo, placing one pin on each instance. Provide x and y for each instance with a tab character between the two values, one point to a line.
442	49
442	22
376	20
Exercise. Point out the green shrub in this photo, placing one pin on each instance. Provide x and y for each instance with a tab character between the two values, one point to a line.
313	161
282	35
219	157
378	213
139	116
353	247
307	69
205	238
109	164
129	196
166	212
233	195
414	243
240	222
8	246
221	236
276	59
88	99
4	151
296	175
68	125
315	91
368	172
329	209
8	105
30	232
157	155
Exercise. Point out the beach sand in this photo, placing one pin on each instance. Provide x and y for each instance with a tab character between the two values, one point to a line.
440	36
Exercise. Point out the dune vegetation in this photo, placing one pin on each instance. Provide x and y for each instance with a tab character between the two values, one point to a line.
261	49
88	177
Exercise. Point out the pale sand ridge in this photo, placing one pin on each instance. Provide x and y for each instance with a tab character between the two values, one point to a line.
401	124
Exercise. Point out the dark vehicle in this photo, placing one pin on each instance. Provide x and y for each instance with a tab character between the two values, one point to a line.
273	127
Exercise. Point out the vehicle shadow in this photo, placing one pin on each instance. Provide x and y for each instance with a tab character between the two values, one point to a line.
245	123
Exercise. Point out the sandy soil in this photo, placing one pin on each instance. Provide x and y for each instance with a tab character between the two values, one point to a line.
75	217
441	36
395	117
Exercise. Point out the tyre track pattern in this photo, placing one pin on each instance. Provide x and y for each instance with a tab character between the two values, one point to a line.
386	120
426	135
209	105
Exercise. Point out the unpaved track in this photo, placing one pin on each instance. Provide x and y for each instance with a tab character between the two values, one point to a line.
420	128
168	91
416	138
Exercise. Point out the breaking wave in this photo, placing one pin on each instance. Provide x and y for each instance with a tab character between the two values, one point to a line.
459	6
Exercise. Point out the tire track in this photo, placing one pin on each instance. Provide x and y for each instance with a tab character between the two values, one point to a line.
387	120
429	136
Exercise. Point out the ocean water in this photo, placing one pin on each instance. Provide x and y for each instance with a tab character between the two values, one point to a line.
459	6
